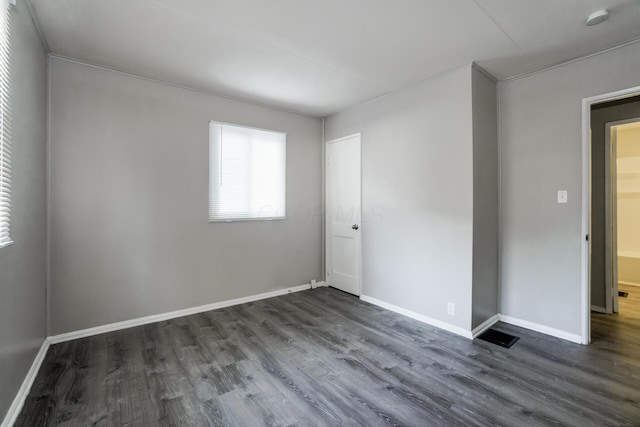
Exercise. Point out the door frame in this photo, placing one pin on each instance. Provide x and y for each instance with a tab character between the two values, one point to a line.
586	200
324	200
611	211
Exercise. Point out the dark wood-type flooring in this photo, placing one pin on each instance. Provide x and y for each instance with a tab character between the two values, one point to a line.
322	357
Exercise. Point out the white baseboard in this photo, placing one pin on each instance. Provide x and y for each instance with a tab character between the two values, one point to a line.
629	254
172	315
419	317
479	329
541	328
320	284
622	282
598	309
25	388
485	325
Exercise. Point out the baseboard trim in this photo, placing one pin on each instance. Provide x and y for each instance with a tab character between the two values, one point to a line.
622	282
598	309
541	328
320	284
25	388
419	317
485	325
172	314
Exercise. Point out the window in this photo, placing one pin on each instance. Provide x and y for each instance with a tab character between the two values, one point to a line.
247	169
5	133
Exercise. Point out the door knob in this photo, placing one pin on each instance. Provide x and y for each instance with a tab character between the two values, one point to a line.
355	226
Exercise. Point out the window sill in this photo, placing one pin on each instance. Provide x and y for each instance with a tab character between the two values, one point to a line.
280	218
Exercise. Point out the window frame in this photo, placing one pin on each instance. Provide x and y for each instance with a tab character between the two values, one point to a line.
211	175
5	123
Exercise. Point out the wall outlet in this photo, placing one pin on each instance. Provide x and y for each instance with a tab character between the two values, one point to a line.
451	309
313	284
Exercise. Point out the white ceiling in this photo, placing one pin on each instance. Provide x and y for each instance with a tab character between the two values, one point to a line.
318	57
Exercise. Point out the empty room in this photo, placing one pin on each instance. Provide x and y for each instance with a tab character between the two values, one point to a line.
278	213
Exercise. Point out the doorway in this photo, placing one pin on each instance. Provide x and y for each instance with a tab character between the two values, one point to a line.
604	117
343	202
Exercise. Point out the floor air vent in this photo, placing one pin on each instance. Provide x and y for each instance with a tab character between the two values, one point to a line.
498	338
623	294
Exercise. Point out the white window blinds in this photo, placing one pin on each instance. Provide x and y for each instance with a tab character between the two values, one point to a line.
5	129
247	169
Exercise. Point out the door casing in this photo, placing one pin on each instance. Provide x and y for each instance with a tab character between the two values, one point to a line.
586	202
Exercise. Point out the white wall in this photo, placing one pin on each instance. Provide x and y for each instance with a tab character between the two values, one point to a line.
23	264
541	152
417	195
129	182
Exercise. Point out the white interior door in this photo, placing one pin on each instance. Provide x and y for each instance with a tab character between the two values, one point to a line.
343	214
611	213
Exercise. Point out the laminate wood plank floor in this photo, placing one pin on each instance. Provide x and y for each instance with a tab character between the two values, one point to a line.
322	357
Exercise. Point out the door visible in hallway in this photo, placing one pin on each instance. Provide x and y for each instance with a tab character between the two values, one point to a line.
623	209
343	214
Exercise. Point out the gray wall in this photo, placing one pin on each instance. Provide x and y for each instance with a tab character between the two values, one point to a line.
541	152
23	264
129	180
485	198
600	116
417	195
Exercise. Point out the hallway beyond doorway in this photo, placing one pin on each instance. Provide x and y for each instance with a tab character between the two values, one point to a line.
621	329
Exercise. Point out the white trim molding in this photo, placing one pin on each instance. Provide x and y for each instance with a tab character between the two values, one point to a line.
629	254
598	309
25	388
626	282
576	338
485	325
173	314
419	317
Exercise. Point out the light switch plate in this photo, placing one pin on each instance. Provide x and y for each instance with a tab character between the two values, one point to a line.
562	196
